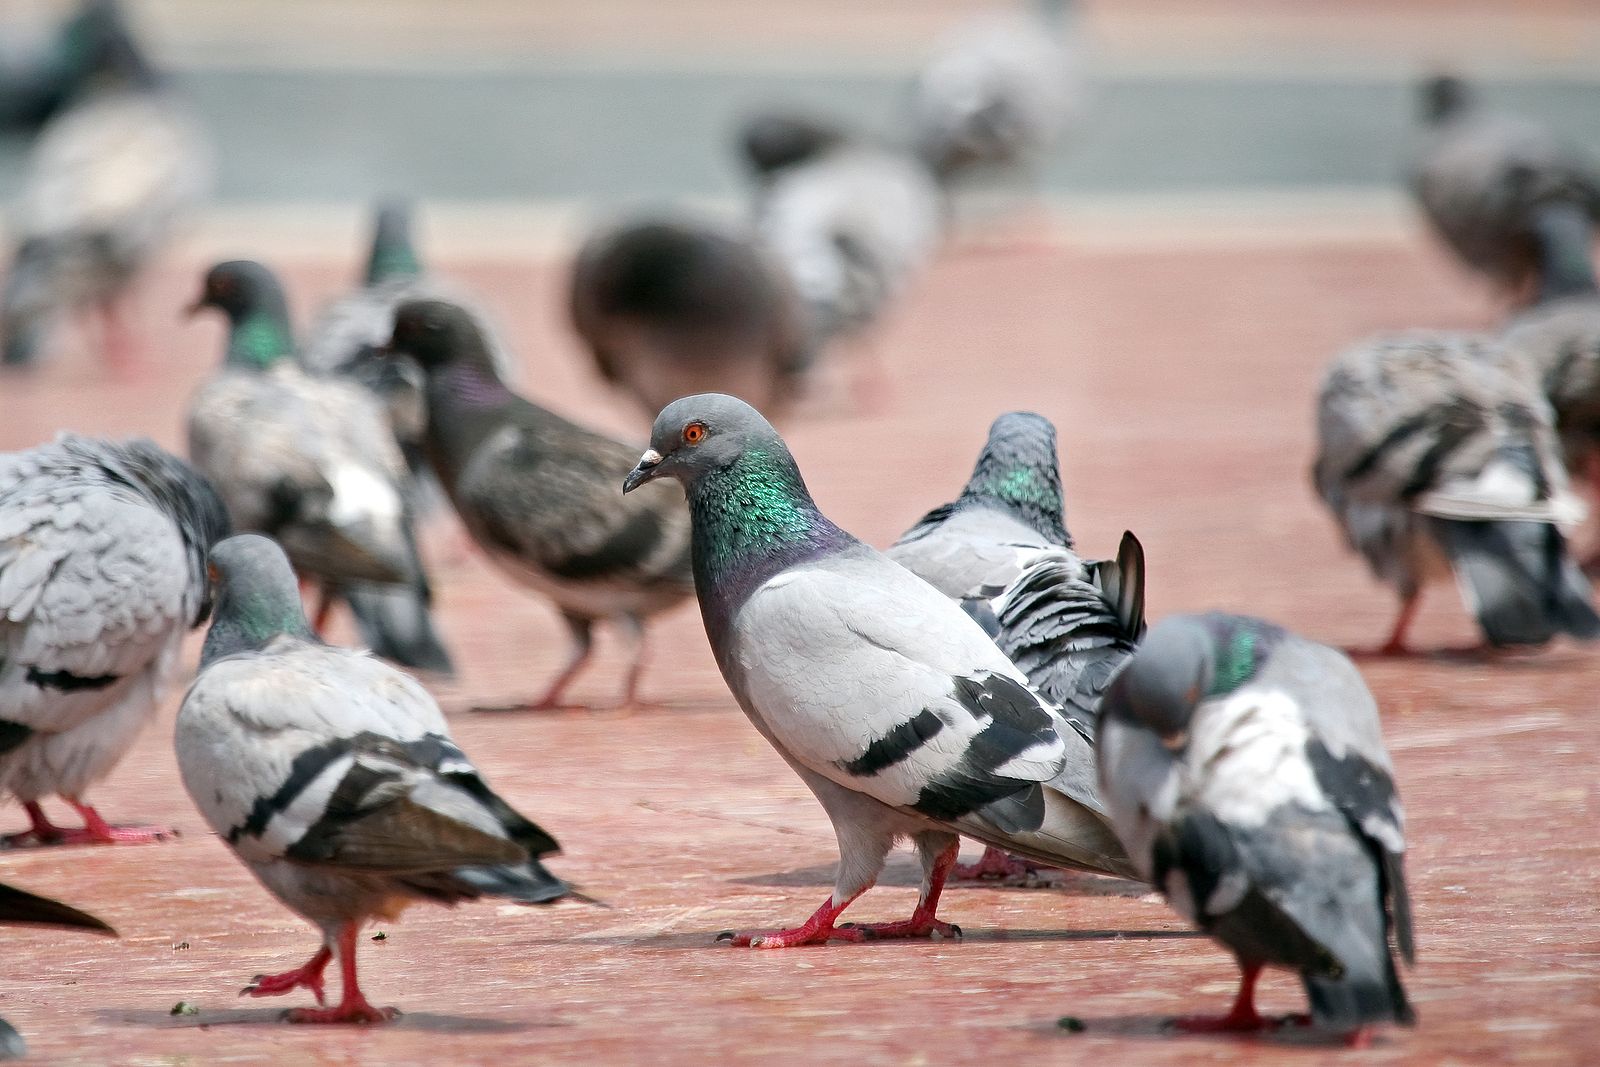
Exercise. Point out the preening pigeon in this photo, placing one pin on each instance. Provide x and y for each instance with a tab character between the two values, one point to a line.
1246	774
108	180
672	306
1434	459
1002	549
890	702
538	493
19	908
311	462
333	778
102	571
1490	183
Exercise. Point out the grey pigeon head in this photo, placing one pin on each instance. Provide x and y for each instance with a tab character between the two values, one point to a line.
1018	472
705	433
437	334
257	597
393	253
1443	97
1169	675
776	140
251	296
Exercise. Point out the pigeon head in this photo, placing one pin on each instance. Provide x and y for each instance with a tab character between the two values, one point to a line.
257	597
437	333
1017	471
250	295
1444	96
1166	679
393	254
773	141
703	434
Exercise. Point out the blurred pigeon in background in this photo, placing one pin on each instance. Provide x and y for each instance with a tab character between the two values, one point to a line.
108	180
670	306
538	493
311	462
41	72
1434	459
1246	774
102	572
891	704
19	908
333	778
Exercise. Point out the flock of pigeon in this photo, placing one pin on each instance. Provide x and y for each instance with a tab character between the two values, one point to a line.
977	679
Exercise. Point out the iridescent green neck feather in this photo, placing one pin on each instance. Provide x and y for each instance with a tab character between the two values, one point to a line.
259	338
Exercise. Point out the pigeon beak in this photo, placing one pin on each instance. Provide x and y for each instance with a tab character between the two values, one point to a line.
195	308
644	472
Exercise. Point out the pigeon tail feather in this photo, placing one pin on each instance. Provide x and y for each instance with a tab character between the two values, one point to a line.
1518	580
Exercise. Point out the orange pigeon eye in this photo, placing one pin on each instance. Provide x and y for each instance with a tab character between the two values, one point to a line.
694	433
213	573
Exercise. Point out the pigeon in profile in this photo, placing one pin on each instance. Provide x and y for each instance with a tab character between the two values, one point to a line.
999	91
1491	183
333	778
538	493
892	705
20	908
673	306
108	180
1002	549
1246	774
311	462
1435	459
102	572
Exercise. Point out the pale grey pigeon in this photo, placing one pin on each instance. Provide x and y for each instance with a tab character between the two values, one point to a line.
332	777
21	908
108	180
1435	460
1003	550
891	704
311	462
538	493
1489	182
1246	775
102	572
672	305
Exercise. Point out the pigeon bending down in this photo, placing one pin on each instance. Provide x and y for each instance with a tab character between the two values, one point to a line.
108	180
1002	549
1246	774
102	571
311	462
333	778
538	493
1435	460
884	696
19	908
1489	183
669	307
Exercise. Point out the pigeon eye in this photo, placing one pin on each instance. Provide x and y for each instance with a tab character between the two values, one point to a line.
694	433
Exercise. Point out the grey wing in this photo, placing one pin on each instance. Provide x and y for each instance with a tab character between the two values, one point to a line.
968	552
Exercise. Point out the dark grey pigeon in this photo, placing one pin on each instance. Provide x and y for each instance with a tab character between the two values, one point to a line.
311	461
333	778
1490	183
891	704
102	572
1002	549
672	306
1246	774
20	908
538	493
1437	461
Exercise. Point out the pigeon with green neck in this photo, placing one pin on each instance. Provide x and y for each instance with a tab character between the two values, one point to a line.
538	493
309	461
333	778
1002	549
888	701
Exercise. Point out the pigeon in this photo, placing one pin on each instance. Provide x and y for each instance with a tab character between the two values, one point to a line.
1002	549
672	306
999	91
889	702
1486	181
774	140
311	462
40	76
102	571
537	493
20	908
107	182
1246	774
333	778
1435	459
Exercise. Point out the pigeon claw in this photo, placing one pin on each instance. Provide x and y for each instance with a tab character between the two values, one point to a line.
906	929
995	865
308	976
357	1012
804	935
